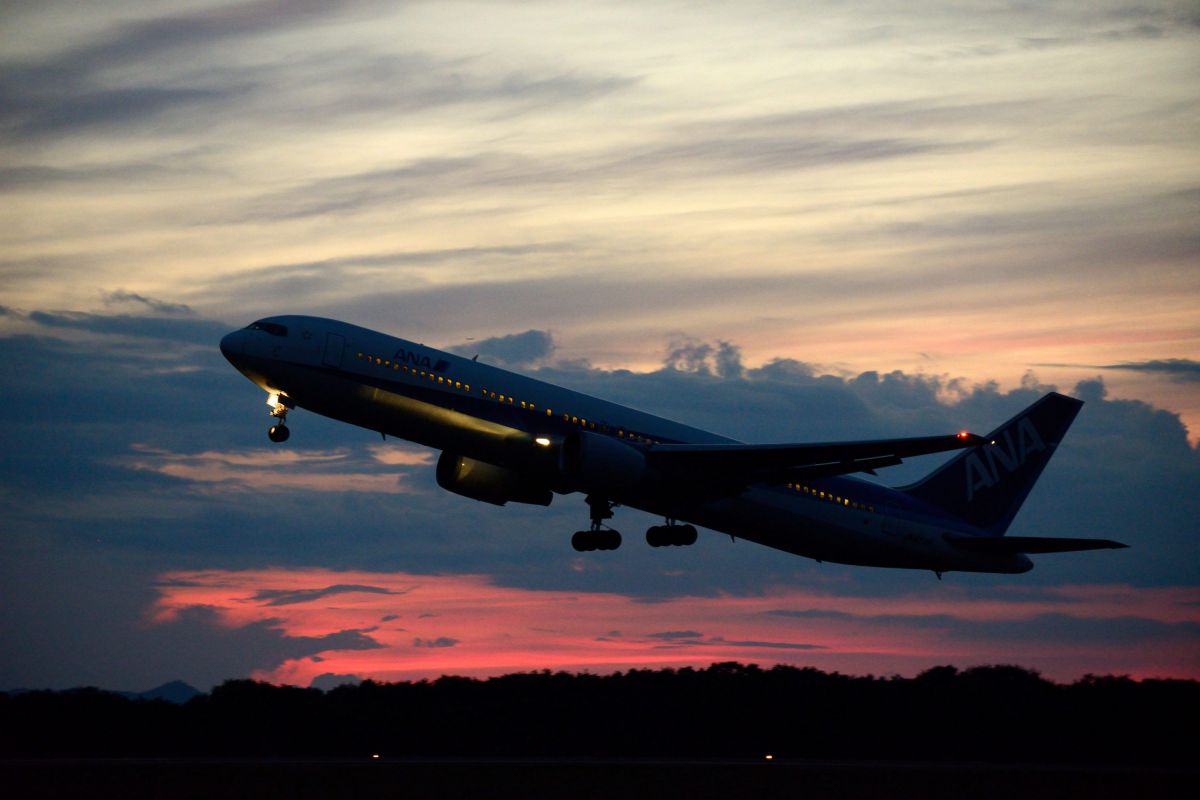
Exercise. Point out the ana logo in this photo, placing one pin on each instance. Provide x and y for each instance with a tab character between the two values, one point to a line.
987	466
417	360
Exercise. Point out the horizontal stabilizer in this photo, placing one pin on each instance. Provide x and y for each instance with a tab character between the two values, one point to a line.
1030	544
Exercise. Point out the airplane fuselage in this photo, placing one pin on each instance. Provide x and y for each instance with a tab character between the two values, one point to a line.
490	415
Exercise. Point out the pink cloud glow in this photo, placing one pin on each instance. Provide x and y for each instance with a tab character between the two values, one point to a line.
430	625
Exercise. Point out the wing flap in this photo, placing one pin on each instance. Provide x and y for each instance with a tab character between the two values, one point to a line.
1030	544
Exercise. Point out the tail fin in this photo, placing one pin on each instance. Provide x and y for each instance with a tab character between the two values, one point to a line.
986	485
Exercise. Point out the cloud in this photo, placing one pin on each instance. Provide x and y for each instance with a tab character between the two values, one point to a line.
330	680
690	355
775	645
396	455
513	350
122	297
100	107
24	178
256	644
1185	370
267	471
439	642
64	92
483	628
673	635
284	597
1056	626
192	331
674	639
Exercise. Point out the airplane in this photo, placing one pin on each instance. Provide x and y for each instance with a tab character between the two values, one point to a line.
506	437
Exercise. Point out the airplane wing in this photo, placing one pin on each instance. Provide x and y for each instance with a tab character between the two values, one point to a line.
1030	544
750	463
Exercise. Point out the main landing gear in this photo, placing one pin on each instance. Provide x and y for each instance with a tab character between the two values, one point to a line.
671	535
279	410
597	538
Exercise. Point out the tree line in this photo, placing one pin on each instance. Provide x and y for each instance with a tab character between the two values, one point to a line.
989	714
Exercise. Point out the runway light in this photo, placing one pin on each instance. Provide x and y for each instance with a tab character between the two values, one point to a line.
543	441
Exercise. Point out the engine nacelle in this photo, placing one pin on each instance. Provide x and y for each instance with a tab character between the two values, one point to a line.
480	480
603	465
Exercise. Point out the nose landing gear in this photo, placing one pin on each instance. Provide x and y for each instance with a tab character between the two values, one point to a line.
279	409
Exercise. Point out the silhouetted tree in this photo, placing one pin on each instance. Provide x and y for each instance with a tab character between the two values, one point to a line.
994	713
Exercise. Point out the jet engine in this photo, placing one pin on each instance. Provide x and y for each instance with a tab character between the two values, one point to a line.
480	480
603	465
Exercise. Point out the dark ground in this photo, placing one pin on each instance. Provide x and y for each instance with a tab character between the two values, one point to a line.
578	780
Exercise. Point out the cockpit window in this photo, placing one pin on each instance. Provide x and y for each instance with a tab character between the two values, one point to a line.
273	328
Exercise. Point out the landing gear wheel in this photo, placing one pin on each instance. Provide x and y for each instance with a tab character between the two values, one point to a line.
597	538
585	541
279	433
671	535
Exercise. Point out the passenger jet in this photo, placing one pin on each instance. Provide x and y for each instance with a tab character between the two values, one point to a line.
507	438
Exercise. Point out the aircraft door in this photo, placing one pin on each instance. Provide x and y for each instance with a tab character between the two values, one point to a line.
335	343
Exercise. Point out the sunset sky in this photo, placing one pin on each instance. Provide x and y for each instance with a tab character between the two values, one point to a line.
778	221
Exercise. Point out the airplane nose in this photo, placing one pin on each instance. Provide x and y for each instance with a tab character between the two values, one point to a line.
233	344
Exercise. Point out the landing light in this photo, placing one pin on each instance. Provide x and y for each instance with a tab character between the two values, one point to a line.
542	440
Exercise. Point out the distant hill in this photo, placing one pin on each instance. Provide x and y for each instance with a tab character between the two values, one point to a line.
176	692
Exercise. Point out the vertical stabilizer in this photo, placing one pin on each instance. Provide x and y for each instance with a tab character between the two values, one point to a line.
986	485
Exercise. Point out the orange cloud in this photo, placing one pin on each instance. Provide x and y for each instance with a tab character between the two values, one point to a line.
429	625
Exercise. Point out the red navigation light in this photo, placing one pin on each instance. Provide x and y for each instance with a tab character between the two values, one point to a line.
963	434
